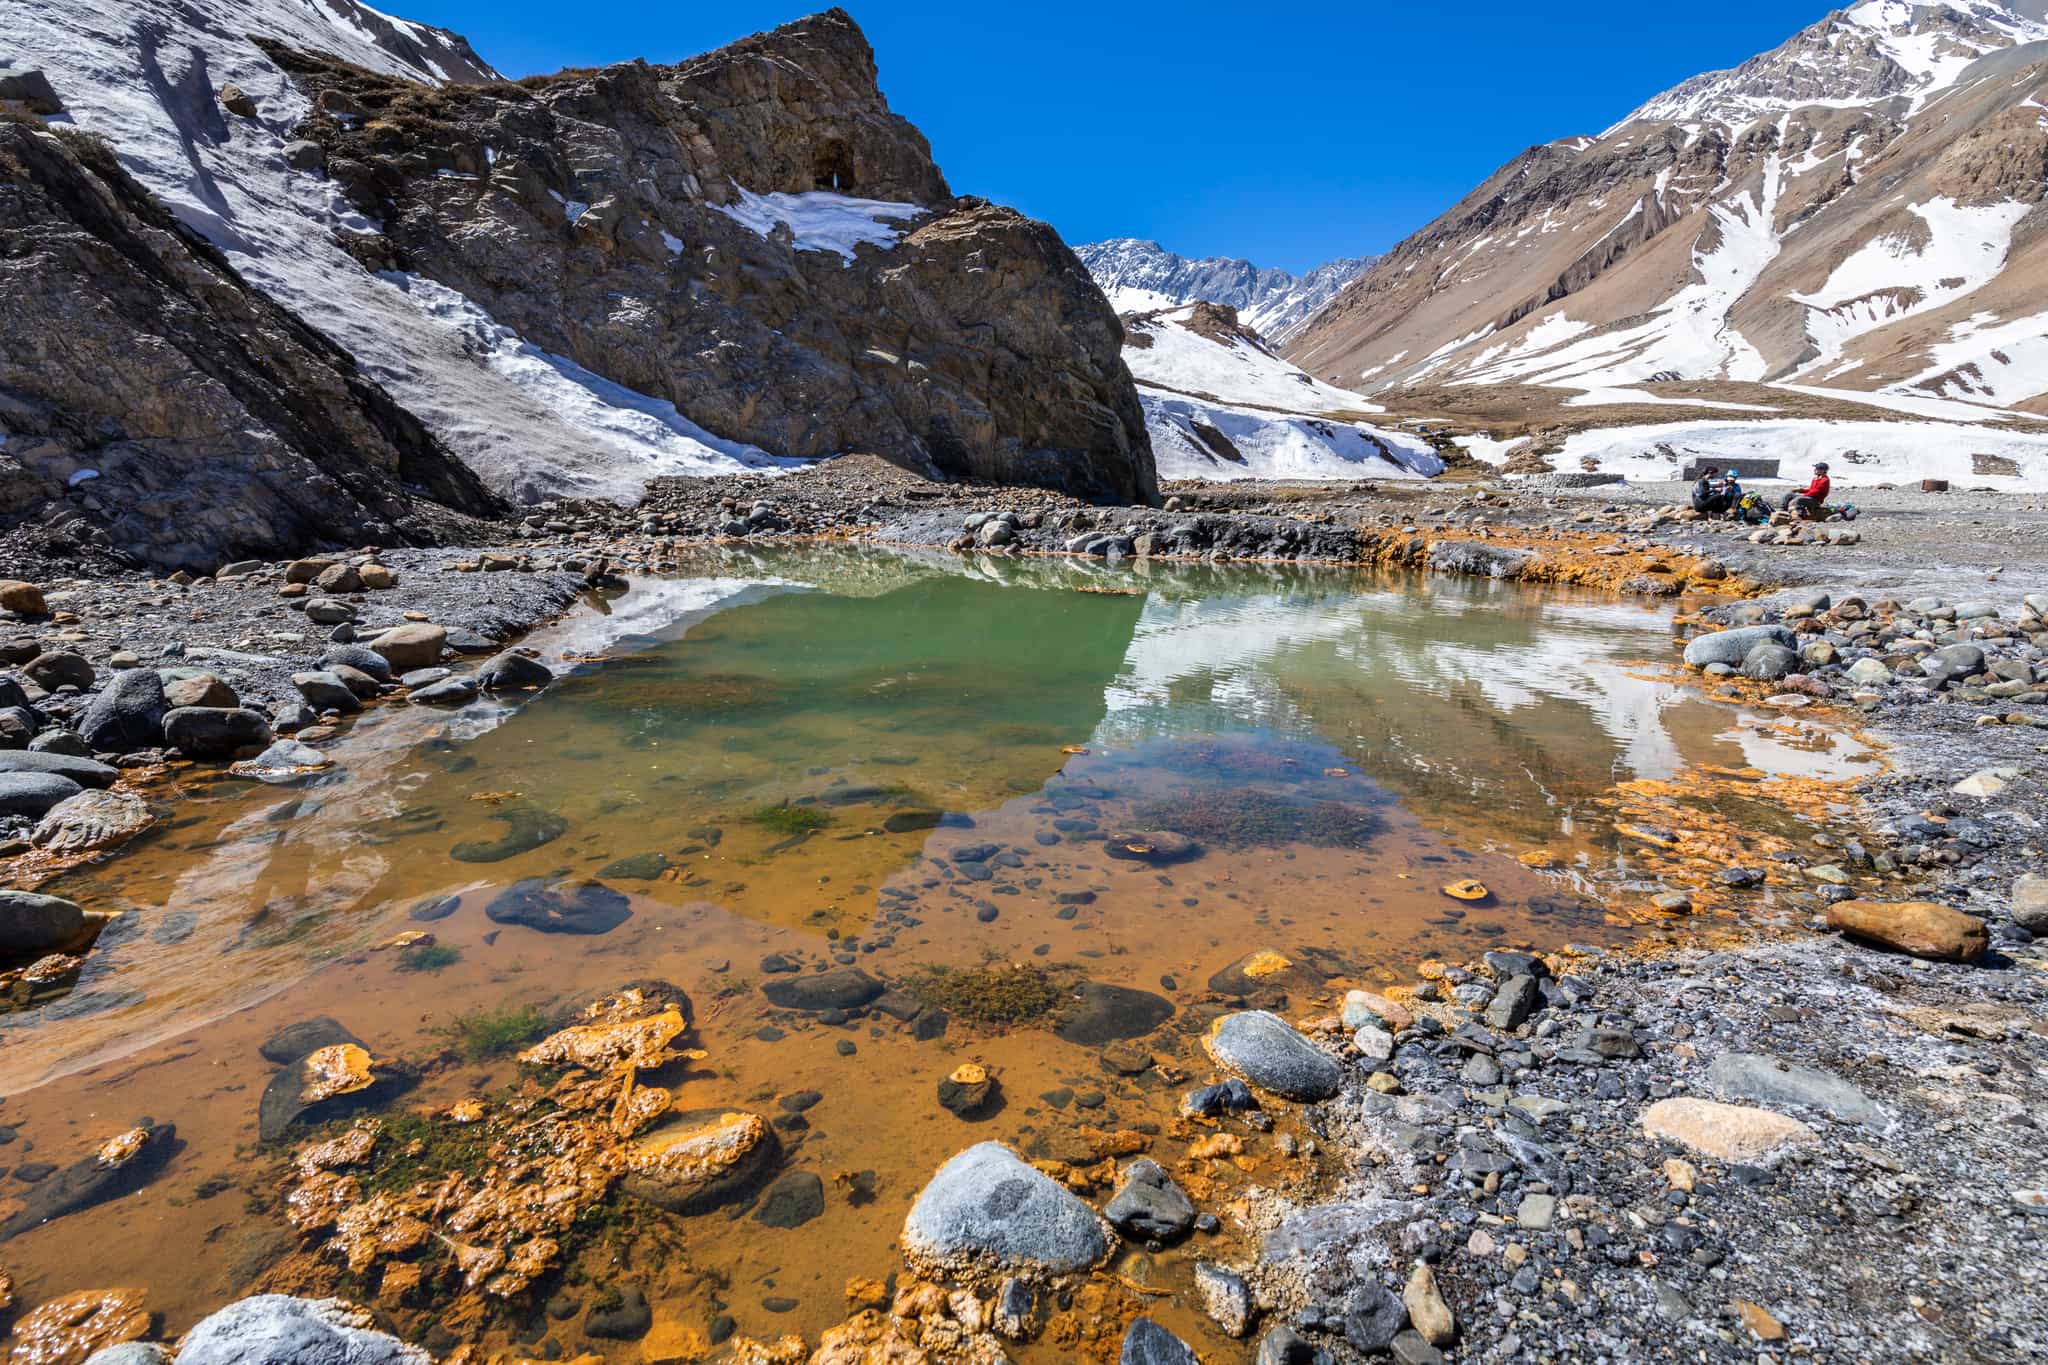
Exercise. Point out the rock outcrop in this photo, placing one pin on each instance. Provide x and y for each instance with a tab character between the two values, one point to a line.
753	236
158	406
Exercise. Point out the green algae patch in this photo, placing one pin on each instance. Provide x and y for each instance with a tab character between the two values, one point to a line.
1000	994
1248	818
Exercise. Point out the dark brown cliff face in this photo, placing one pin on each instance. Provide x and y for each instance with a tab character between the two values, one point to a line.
215	424
584	211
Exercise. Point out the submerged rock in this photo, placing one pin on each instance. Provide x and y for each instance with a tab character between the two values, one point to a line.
1159	847
1263	1049
792	1201
32	924
327	1083
700	1159
527	828
968	1092
122	1165
294	1041
277	1329
842	988
1109	1014
986	1209
560	907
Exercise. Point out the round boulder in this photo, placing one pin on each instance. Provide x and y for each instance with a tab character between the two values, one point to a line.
413	645
986	1209
127	714
31	924
277	1329
1264	1049
32	794
216	732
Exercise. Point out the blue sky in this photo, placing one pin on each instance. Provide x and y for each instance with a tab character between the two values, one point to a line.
1284	133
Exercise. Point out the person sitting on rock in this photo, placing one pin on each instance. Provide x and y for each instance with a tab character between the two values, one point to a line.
1811	502
1708	494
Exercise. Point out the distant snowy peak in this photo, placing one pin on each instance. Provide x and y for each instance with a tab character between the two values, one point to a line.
1874	51
1140	276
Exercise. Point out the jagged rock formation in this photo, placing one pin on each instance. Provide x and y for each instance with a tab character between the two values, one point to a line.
754	237
1855	209
581	282
153	400
1140	276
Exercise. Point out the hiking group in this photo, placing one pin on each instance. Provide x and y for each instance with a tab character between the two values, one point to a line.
1717	495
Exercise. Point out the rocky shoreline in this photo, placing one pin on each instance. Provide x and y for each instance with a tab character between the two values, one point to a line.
1527	1158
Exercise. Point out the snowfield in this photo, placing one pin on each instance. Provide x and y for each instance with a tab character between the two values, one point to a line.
1229	409
1237	372
1860	453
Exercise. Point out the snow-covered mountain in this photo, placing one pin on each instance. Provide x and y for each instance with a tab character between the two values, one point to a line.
1855	213
1140	276
1220	404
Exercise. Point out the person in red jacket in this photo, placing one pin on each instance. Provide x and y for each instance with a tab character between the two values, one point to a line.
1811	502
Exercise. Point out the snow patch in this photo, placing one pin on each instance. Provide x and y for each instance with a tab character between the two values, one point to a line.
1234	371
1860	453
820	220
1274	446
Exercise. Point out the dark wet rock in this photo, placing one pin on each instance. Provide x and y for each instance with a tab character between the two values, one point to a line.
842	988
569	907
1147	1343
793	1200
450	691
276	1329
32	794
325	691
987	1209
90	1180
294	1041
1774	1083
1149	1206
1511	1006
127	714
1230	1096
1373	1316
1108	1014
216	732
284	1104
1265	1050
628	1320
1267	971
910	821
511	671
435	907
526	827
84	771
639	867
31	924
1158	847
969	1091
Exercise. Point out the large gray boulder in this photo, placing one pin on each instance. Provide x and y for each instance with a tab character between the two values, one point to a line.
1149	1206
32	794
1264	1049
127	714
277	1329
31	924
86	772
30	88
1731	647
1147	1343
986	1209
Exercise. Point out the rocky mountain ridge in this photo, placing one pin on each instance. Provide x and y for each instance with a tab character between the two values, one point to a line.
729	263
1854	210
1141	276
